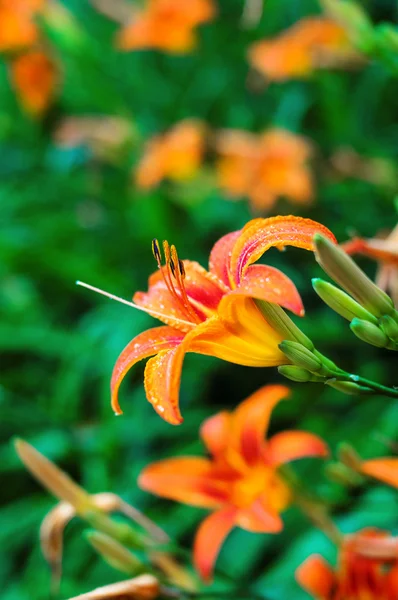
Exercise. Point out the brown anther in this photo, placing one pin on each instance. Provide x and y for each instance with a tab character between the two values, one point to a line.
156	251
172	267
181	268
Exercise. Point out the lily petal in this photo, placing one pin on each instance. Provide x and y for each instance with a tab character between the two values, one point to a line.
291	445
316	577
379	249
166	307
261	234
220	256
143	345
259	518
267	283
251	420
204	289
162	380
209	539
215	432
384	469
189	480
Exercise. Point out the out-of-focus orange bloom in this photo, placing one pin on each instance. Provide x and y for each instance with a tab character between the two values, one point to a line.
310	44
367	570
17	26
213	312
384	469
385	251
240	482
166	25
176	154
264	167
34	78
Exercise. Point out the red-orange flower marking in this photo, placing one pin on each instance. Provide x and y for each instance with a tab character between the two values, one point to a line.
265	167
166	25
312	43
34	77
240	481
367	569
213	312
177	154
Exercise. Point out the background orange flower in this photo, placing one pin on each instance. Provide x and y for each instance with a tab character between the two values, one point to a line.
17	26
265	167
166	25
310	44
176	154
34	77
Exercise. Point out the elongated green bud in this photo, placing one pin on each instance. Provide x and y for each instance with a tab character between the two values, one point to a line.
342	474
349	457
369	333
300	356
282	323
341	302
297	374
343	270
346	387
390	327
114	553
354	19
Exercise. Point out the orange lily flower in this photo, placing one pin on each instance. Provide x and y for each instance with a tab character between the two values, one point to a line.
213	312
384	469
176	154
34	78
368	569
385	251
264	167
312	43
166	25
240	482
17	26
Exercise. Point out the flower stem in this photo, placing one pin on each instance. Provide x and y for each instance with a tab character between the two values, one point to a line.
313	509
378	387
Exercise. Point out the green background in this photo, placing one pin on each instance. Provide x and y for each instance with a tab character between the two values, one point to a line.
67	215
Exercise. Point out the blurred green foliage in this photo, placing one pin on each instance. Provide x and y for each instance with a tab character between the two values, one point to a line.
67	215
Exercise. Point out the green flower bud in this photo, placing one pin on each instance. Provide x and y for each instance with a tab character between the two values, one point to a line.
341	302
349	457
114	553
346	387
390	327
297	374
282	323
300	356
342	474
343	270
354	19
369	333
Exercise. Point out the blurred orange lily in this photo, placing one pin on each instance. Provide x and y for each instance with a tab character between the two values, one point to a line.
213	312
35	78
312	43
166	25
17	25
264	167
368	569
176	154
385	469
240	482
385	251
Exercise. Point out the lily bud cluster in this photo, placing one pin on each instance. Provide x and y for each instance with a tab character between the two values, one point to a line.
373	318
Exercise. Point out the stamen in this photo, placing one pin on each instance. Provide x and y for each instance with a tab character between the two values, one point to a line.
180	283
156	252
181	268
148	311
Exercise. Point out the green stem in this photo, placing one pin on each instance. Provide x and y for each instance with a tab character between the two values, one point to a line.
378	387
